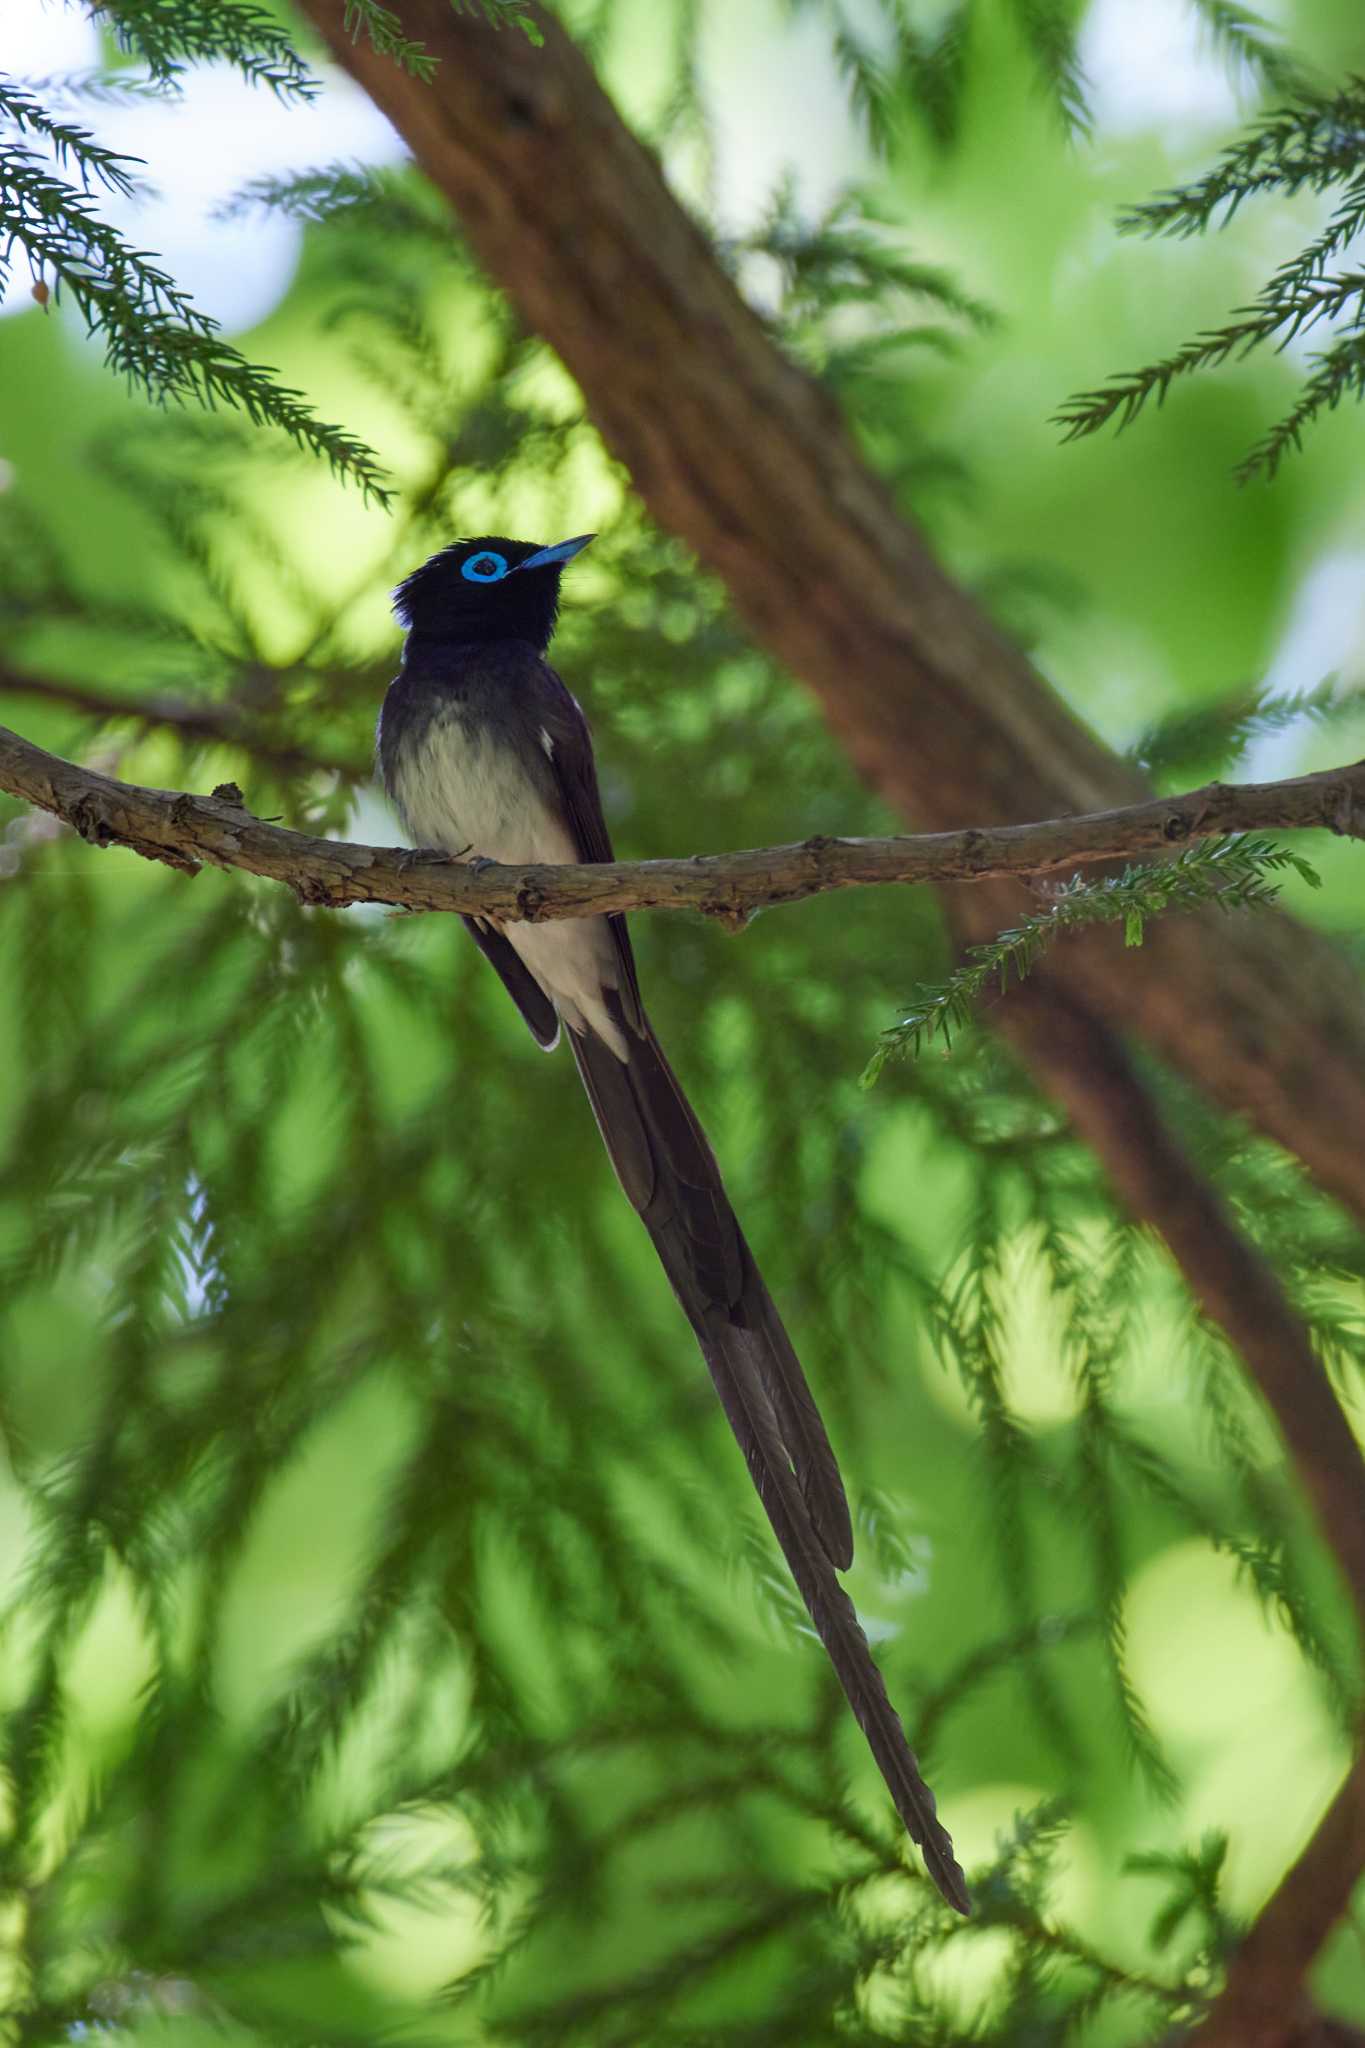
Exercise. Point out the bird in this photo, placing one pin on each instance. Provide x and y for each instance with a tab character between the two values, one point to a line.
487	756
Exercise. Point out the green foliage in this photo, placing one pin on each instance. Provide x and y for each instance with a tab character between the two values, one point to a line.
896	60
1312	144
848	257
1194	1877
380	199
1210	739
71	146
1047	28
152	333
1232	873
166	35
500	13
151	330
383	30
1253	45
897	64
390	1645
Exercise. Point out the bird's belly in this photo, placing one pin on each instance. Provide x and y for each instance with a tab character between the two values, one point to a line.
472	797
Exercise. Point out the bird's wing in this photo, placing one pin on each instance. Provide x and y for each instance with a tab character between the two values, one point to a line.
574	765
542	1019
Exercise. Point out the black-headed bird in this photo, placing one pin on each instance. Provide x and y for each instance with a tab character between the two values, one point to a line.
486	755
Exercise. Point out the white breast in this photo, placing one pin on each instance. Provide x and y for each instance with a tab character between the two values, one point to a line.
470	796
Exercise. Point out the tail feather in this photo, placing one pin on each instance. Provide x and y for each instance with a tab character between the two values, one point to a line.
668	1170
797	1417
835	1618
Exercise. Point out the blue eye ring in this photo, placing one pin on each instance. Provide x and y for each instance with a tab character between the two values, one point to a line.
474	572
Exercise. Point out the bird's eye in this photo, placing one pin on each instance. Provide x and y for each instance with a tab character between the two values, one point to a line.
485	567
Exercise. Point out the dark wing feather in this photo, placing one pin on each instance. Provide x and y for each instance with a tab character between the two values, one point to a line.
540	1014
575	768
723	1264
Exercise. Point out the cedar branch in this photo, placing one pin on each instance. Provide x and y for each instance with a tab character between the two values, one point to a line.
206	722
184	830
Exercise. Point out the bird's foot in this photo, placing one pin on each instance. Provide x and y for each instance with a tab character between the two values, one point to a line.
479	865
419	856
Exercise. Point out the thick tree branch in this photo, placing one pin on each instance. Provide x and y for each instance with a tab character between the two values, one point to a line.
1262	2005
1085	1068
741	453
184	830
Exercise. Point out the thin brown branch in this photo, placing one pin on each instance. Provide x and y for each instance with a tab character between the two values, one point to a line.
185	830
209	723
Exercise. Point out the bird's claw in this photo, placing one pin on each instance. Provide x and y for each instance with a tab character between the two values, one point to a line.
419	856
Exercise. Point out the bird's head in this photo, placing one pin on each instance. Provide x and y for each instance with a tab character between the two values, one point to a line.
487	589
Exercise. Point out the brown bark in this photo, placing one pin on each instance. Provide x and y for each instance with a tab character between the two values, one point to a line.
742	454
1082	1065
1262	2004
184	830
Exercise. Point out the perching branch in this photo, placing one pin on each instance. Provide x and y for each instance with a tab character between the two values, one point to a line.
745	458
185	830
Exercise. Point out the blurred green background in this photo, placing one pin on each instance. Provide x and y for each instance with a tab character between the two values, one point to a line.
392	1645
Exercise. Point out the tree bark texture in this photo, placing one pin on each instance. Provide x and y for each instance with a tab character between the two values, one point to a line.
185	830
743	455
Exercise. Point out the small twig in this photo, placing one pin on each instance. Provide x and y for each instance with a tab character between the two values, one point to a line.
200	722
185	830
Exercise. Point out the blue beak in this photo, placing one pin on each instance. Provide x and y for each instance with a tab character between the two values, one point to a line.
562	551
